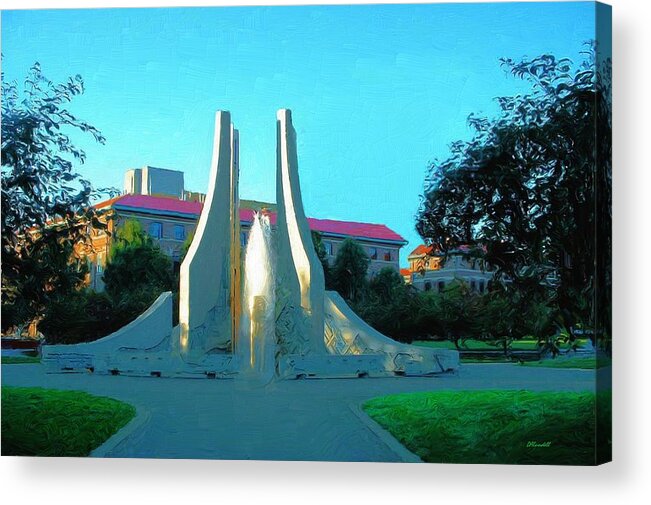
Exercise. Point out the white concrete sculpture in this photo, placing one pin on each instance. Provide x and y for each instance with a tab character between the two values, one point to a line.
356	349
348	334
210	292
318	334
143	344
283	324
300	284
207	309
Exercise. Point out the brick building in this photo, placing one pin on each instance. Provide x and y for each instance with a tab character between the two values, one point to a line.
171	220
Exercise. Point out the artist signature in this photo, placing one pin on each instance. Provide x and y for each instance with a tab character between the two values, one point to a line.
531	443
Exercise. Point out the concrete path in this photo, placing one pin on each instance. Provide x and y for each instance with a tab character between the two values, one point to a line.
288	420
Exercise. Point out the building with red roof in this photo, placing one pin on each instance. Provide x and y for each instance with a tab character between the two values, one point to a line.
430	269
171	220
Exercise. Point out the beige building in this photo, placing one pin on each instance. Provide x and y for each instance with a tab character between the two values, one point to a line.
430	270
154	181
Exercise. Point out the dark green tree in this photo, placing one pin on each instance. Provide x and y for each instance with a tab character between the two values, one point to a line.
46	204
391	305
49	271
506	315
386	285
532	188
137	265
185	247
81	316
453	313
321	253
136	274
350	269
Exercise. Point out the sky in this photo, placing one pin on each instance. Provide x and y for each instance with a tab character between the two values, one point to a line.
377	92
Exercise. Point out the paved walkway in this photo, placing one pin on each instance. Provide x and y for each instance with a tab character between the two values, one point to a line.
288	420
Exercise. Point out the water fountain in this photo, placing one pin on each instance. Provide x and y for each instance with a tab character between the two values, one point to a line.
256	345
274	321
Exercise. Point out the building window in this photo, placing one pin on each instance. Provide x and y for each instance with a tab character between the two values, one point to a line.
428	286
441	286
387	256
243	238
482	287
99	267
372	252
179	232
328	248
156	230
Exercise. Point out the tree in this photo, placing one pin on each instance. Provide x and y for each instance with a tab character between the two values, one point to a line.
386	285
505	315
136	273
532	187
80	316
131	234
321	253
391	305
454	312
349	270
46	204
185	247
137	265
49	271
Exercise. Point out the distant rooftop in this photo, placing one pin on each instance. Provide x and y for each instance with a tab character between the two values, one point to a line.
422	250
182	208
428	250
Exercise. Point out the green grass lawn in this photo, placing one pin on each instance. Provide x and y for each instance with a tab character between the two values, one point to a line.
17	360
47	422
481	361
497	426
518	345
589	363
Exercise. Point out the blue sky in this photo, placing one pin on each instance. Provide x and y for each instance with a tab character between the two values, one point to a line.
377	92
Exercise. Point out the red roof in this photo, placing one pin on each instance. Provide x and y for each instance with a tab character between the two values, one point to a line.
424	250
171	206
153	203
405	271
421	250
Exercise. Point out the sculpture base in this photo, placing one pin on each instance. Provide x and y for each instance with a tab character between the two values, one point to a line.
333	366
226	366
135	363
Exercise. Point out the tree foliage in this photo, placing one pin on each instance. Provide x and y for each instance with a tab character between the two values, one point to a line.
49	271
136	263
457	313
390	306
185	247
531	189
319	247
46	204
386	285
350	269
136	274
